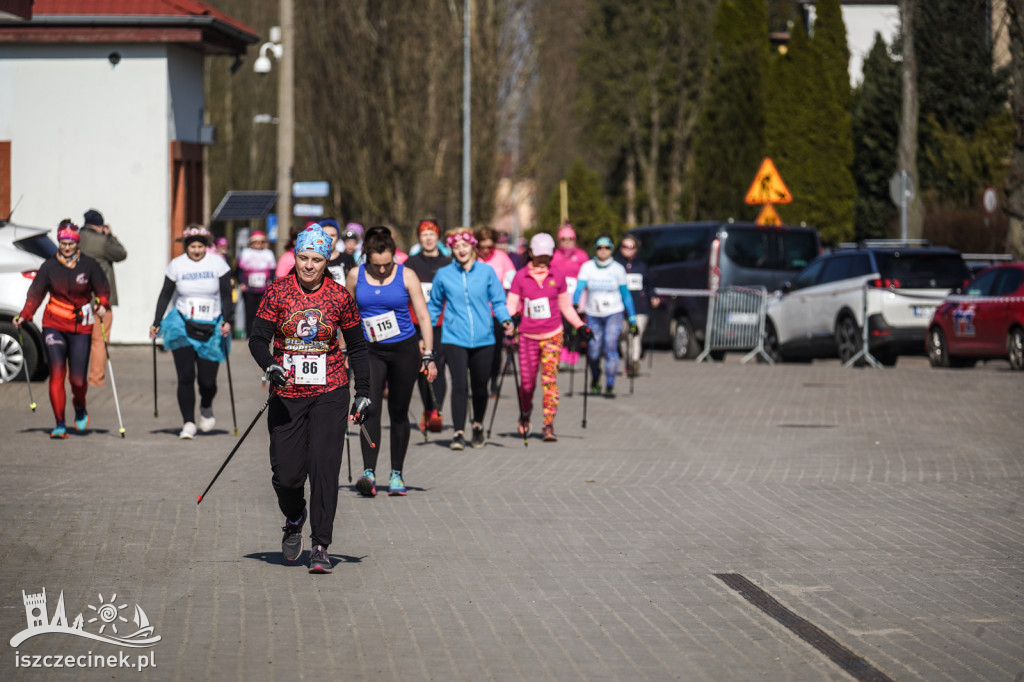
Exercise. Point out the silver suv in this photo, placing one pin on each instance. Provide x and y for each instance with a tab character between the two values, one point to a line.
821	313
22	251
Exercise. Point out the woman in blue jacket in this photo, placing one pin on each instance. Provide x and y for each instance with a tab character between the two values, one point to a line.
467	291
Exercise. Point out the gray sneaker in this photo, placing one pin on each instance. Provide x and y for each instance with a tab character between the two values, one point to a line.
291	543
319	562
458	442
478	436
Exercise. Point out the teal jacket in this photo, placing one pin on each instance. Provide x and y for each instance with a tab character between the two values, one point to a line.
467	299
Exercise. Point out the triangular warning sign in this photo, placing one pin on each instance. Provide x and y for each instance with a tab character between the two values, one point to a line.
768	187
768	216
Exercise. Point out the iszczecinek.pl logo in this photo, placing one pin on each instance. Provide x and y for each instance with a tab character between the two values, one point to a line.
109	618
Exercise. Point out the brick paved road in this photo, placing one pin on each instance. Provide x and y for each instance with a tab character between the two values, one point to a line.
885	507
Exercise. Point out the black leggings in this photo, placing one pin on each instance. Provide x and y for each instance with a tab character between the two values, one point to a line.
478	362
251	302
69	358
395	365
440	385
189	367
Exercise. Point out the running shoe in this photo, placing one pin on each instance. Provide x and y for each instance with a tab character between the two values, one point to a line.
367	484
478	437
188	431
60	432
458	442
609	392
206	419
548	433
595	388
435	422
319	562
396	486
291	543
81	419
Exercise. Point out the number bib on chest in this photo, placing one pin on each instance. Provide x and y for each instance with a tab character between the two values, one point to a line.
537	308
200	309
381	327
634	281
257	280
310	369
605	301
87	317
426	286
570	286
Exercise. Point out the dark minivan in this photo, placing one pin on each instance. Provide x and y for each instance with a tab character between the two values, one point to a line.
709	256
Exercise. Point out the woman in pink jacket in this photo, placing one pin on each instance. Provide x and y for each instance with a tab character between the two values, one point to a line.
539	294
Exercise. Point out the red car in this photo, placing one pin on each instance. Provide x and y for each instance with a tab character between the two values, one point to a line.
985	322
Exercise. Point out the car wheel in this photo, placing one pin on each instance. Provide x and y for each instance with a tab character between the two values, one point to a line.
684	345
848	339
15	360
1015	346
771	343
938	351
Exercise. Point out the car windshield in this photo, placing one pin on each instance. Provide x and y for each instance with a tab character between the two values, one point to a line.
672	246
923	270
798	249
39	245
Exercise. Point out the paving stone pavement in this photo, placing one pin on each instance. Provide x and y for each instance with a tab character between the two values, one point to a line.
885	507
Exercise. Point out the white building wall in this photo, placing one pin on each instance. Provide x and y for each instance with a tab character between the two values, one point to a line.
88	134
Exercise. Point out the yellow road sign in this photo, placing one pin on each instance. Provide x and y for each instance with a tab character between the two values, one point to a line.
768	187
768	216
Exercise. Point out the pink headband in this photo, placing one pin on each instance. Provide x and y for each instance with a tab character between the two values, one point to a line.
566	231
68	231
461	237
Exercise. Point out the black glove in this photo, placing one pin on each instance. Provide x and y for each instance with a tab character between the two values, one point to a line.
428	357
633	329
360	409
585	333
276	375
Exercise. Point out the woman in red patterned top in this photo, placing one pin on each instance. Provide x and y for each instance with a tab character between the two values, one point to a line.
301	315
78	291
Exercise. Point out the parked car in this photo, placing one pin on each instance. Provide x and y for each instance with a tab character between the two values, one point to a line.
709	256
985	322
821	313
22	251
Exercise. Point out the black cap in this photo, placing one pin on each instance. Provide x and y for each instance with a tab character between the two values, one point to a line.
350	234
93	217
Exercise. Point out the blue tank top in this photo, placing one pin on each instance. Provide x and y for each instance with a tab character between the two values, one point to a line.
379	304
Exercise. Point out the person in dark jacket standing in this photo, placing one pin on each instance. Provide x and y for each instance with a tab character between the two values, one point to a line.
78	292
638	281
98	243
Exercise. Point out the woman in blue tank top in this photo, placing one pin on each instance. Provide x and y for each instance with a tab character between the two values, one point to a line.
384	293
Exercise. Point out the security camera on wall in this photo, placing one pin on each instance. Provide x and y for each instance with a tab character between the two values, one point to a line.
262	65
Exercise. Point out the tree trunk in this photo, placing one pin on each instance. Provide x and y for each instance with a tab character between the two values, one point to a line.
1014	188
907	152
630	189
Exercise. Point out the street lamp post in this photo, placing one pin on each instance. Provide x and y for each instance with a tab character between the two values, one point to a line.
282	46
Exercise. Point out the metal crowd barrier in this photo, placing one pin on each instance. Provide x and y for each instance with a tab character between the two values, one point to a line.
736	322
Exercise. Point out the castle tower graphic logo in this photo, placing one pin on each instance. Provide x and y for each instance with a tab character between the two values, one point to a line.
108	618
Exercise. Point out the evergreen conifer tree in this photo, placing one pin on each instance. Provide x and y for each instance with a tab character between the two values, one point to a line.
589	212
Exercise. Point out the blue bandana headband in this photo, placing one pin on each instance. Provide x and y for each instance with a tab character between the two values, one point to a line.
604	241
313	238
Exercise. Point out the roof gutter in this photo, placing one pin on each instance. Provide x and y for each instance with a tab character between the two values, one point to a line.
129	20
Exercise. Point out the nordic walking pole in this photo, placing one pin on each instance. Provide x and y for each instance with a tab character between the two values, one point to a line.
348	444
156	410
239	443
231	388
586	366
366	435
650	341
519	396
497	399
631	361
433	401
113	384
24	365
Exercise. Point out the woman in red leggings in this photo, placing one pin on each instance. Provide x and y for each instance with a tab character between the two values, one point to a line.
78	290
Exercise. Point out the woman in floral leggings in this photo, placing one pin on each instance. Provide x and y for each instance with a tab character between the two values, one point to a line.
539	294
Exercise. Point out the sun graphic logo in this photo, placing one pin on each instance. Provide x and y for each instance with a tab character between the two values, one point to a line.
108	614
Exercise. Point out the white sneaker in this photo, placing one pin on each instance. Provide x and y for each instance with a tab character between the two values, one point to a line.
188	431
206	419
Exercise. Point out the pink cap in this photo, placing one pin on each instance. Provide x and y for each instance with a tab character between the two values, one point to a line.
566	231
256	234
541	244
